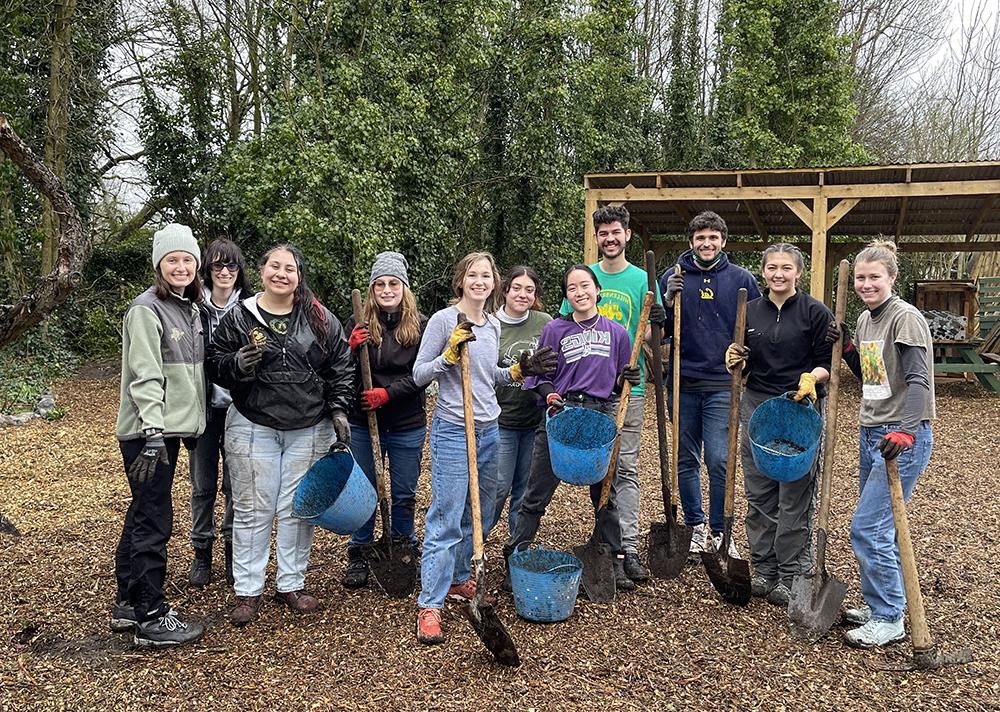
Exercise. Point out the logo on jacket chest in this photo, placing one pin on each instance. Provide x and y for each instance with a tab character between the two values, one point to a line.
176	334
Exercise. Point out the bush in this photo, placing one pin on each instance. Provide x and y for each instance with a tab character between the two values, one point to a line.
30	365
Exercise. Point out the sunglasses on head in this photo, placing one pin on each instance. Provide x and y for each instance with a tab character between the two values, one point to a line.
231	266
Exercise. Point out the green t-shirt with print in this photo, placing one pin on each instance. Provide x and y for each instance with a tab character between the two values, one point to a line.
621	302
519	409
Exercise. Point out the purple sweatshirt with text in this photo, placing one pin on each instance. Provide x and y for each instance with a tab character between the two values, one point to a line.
590	356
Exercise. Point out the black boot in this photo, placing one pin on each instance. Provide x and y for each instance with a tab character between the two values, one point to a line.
229	562
201	568
622	582
356	573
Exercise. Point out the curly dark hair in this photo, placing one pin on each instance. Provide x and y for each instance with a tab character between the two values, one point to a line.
611	214
707	220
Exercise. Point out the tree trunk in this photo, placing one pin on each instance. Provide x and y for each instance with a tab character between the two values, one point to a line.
10	259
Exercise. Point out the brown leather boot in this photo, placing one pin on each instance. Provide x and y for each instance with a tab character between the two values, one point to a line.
298	601
247	608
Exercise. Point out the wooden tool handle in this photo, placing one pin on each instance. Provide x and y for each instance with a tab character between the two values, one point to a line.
919	632
640	336
381	481
661	413
675	410
739	333
470	448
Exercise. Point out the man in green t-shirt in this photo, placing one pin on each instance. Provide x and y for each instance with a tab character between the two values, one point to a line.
623	287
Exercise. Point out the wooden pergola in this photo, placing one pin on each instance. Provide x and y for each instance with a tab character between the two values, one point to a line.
813	207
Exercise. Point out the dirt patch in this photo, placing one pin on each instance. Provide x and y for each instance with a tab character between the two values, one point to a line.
102	369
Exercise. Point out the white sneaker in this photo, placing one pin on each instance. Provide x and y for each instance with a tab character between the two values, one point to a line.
733	551
876	633
697	539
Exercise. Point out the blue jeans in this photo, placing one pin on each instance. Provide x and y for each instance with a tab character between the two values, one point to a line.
873	534
514	468
447	550
704	420
404	449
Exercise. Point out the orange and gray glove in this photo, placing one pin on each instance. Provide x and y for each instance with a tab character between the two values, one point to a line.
555	403
807	388
459	335
894	444
736	355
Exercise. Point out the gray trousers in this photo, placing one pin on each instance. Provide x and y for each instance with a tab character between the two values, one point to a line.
779	514
626	482
541	487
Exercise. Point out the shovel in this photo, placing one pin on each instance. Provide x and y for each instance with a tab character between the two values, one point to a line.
814	603
925	652
669	541
481	615
730	576
598	577
392	561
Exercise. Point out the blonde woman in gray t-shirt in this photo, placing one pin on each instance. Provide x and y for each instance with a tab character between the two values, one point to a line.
893	356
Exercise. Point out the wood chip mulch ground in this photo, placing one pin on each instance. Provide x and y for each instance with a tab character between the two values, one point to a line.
670	645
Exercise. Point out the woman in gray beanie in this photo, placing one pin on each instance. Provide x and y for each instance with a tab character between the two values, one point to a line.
391	329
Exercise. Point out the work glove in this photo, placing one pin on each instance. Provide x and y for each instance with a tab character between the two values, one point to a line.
143	467
538	363
459	335
675	284
630	373
374	398
807	388
359	335
248	357
894	444
834	334
657	314
736	355
555	403
341	428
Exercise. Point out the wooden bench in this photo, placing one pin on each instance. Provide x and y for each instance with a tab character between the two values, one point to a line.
980	357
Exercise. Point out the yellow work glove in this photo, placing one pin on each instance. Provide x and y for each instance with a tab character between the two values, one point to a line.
807	387
516	374
461	334
736	356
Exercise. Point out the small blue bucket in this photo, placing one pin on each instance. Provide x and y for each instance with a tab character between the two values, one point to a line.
545	584
784	438
580	444
335	494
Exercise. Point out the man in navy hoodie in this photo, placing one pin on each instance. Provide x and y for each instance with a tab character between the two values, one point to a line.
708	285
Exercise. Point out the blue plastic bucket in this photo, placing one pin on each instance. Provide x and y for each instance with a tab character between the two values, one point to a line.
335	494
580	445
545	584
784	438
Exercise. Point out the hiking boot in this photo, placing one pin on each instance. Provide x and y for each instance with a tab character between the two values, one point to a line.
463	592
229	562
760	585
622	581
858	616
201	567
429	626
876	633
356	572
734	553
165	631
634	568
247	608
697	539
299	601
779	595
123	618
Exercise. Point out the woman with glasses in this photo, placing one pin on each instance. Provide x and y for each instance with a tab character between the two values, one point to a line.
223	273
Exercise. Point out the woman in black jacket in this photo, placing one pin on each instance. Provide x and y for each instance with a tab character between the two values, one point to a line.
288	368
391	328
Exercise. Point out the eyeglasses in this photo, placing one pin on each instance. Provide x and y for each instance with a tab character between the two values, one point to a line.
219	266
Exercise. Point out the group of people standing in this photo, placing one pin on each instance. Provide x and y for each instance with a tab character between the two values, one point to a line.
269	382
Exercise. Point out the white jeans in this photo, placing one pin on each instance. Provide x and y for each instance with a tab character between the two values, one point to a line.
266	465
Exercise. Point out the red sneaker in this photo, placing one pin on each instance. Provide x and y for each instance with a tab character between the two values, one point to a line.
429	626
463	592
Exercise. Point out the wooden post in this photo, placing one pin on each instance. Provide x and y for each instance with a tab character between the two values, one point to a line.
589	240
818	286
832	260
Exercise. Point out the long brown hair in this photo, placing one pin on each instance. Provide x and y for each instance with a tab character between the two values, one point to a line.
463	265
408	330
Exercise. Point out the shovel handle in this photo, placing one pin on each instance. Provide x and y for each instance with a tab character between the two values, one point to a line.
470	448
919	632
735	386
381	483
675	418
661	412
640	332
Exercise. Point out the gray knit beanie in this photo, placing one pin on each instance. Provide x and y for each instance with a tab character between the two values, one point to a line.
389	264
174	238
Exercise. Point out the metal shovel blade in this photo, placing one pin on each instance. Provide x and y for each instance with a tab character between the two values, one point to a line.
487	624
814	605
731	577
394	566
669	544
598	576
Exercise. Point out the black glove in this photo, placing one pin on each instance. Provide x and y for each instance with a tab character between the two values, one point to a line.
341	428
538	363
248	357
143	467
833	334
657	314
632	374
675	283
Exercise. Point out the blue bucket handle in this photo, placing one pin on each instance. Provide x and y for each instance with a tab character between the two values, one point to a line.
561	566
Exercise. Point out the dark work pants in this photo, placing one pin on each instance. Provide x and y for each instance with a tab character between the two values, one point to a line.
541	487
141	557
205	482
